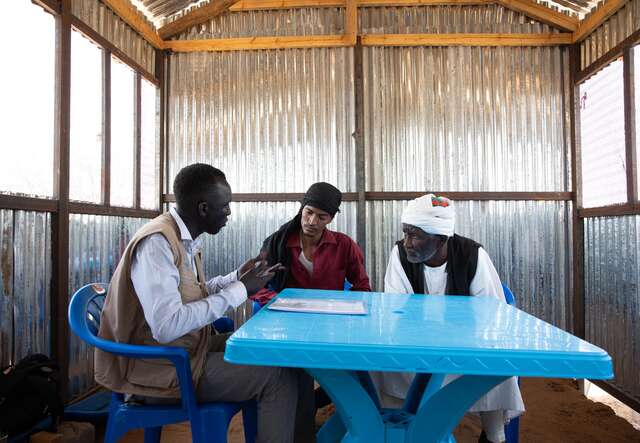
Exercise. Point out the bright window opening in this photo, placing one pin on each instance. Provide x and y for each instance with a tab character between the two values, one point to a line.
27	104
149	156
122	133
602	143
86	120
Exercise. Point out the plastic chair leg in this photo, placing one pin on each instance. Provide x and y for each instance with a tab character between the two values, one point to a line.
111	434
512	430
116	427
152	435
215	433
250	422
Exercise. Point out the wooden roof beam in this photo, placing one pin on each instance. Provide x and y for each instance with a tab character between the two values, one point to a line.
195	17
257	43
127	12
257	5
547	39
351	22
324	41
541	13
591	23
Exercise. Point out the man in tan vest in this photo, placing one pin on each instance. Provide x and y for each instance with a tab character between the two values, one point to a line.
158	295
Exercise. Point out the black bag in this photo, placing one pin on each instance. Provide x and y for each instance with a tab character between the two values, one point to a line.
29	391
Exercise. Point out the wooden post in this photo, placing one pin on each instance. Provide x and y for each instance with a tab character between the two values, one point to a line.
106	127
137	140
162	75
578	309
358	73
60	219
630	124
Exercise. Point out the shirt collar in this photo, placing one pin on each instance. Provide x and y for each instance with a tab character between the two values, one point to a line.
185	235
327	237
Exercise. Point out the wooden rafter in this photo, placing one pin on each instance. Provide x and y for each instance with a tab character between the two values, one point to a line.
127	12
547	39
351	21
541	13
588	25
255	43
389	3
257	5
195	17
320	41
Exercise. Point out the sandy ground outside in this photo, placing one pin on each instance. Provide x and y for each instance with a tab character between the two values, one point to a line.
556	412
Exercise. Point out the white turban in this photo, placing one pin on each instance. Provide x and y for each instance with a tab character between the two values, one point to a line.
434	215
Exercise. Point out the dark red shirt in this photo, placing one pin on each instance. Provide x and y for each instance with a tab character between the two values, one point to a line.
336	258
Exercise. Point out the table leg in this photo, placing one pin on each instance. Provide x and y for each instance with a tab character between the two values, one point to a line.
357	411
332	431
442	411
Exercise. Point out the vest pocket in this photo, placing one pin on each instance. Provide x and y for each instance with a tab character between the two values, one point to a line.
152	373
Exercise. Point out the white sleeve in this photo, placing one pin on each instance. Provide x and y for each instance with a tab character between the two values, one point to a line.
225	292
156	279
215	284
486	281
395	279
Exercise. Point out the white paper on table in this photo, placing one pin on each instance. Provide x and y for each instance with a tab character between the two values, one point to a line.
319	306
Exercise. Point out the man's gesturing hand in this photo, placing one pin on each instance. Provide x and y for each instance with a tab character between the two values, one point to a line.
259	275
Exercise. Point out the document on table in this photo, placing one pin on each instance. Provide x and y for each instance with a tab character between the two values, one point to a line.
319	306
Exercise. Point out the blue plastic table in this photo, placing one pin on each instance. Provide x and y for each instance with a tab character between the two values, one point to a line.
479	337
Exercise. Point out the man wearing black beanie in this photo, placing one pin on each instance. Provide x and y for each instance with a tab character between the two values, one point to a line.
313	257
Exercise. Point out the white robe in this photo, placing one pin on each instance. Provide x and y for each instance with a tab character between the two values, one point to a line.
486	282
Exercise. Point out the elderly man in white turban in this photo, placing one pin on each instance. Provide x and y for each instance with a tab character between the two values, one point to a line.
432	259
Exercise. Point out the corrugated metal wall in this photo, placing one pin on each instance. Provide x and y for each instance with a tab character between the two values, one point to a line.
273	121
95	246
299	21
612	294
25	286
447	19
102	20
528	242
465	119
6	286
475	119
620	26
449	119
396	20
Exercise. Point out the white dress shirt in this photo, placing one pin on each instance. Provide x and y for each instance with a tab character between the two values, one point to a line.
156	278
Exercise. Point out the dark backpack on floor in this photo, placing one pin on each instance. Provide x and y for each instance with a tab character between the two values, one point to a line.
29	391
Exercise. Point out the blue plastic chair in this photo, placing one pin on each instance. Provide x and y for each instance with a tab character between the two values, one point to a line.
209	421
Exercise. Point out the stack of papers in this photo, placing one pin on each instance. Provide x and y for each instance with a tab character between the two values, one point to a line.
320	306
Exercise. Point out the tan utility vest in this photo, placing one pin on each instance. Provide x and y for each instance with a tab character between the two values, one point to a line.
123	321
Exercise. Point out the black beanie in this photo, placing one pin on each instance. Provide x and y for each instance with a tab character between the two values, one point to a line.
323	196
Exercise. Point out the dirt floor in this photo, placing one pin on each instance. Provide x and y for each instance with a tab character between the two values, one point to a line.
556	412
